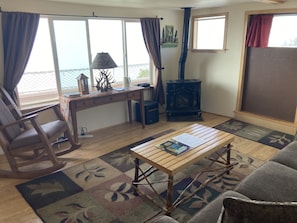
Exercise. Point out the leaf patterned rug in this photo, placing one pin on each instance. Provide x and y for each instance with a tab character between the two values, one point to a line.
256	133
100	190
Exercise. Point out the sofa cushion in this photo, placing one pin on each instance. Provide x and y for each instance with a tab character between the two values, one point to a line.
271	182
163	219
238	210
211	212
287	156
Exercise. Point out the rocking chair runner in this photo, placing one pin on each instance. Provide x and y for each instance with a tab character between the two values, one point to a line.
27	144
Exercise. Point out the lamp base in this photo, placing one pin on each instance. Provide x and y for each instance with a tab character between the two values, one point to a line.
104	81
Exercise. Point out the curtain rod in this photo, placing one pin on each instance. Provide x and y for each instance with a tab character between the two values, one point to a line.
95	16
90	16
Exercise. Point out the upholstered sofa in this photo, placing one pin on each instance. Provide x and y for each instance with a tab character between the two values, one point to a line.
269	194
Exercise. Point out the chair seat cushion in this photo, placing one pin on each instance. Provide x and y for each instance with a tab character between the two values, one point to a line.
31	136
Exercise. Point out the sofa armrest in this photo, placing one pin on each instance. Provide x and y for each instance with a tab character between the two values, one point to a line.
163	219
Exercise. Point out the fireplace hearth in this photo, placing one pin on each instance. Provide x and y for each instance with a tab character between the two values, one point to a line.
183	96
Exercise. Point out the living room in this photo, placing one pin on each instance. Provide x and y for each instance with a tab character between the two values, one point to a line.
220	73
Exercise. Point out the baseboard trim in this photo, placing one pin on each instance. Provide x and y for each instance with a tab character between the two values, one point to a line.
283	126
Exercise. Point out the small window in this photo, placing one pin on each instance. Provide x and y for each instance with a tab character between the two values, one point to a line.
209	32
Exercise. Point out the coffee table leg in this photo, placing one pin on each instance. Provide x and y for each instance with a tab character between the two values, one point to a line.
228	156
169	195
136	176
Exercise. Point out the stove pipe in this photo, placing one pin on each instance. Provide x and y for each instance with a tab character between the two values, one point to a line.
184	49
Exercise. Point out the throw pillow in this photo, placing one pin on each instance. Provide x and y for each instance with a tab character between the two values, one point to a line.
238	210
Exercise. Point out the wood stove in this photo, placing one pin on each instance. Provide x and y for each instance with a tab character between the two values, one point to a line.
183	99
183	96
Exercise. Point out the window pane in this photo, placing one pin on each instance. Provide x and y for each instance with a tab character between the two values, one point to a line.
38	82
283	24
103	38
209	33
138	58
72	52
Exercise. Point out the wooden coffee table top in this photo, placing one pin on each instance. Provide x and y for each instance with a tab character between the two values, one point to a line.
171	164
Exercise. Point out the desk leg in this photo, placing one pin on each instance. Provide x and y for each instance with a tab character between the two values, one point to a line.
141	103
130	110
74	122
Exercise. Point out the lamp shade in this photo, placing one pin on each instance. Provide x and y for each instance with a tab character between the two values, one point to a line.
103	61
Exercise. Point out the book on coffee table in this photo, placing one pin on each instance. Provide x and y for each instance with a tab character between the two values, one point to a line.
174	147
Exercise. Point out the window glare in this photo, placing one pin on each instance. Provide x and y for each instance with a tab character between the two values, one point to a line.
40	67
136	51
283	33
209	32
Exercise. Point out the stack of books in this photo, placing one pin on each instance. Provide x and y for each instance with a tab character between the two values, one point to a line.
174	147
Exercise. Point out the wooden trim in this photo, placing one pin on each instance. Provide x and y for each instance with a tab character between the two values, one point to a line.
242	66
238	111
295	120
279	125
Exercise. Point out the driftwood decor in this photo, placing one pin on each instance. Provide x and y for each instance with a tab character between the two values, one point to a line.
104	81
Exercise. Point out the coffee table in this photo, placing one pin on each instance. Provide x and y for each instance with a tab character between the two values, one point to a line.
216	143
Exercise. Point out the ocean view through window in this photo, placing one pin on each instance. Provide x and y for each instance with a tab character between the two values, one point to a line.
57	58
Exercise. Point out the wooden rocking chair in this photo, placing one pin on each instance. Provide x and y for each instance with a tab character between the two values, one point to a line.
29	146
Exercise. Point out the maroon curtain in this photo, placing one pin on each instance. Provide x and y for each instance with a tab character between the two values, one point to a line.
259	30
19	30
151	35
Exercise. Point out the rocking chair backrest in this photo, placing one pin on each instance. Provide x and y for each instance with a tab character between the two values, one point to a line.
6	118
10	103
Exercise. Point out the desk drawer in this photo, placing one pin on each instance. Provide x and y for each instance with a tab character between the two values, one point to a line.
110	99
134	95
84	104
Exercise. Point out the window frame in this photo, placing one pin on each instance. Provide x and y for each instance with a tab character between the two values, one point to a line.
195	30
50	19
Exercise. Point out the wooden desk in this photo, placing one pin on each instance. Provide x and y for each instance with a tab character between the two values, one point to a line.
70	106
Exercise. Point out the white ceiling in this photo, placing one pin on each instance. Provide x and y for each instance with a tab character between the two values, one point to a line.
171	4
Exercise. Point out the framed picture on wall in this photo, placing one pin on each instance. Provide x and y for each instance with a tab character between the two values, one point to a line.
169	36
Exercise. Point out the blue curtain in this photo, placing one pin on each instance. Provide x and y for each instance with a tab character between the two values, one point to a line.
151	34
19	31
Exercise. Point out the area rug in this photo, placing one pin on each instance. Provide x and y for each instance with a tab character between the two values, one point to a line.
256	133
100	190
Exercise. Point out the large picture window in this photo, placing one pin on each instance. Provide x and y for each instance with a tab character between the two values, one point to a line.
65	47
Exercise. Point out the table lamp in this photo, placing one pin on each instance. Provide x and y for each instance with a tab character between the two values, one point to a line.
103	62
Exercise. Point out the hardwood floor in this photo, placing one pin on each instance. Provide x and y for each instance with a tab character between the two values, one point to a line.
13	208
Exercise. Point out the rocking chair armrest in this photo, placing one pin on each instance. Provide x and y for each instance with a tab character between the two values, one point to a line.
20	121
40	110
55	107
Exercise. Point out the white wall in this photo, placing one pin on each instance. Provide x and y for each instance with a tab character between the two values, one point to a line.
220	72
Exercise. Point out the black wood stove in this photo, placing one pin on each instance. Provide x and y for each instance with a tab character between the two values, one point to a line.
183	96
